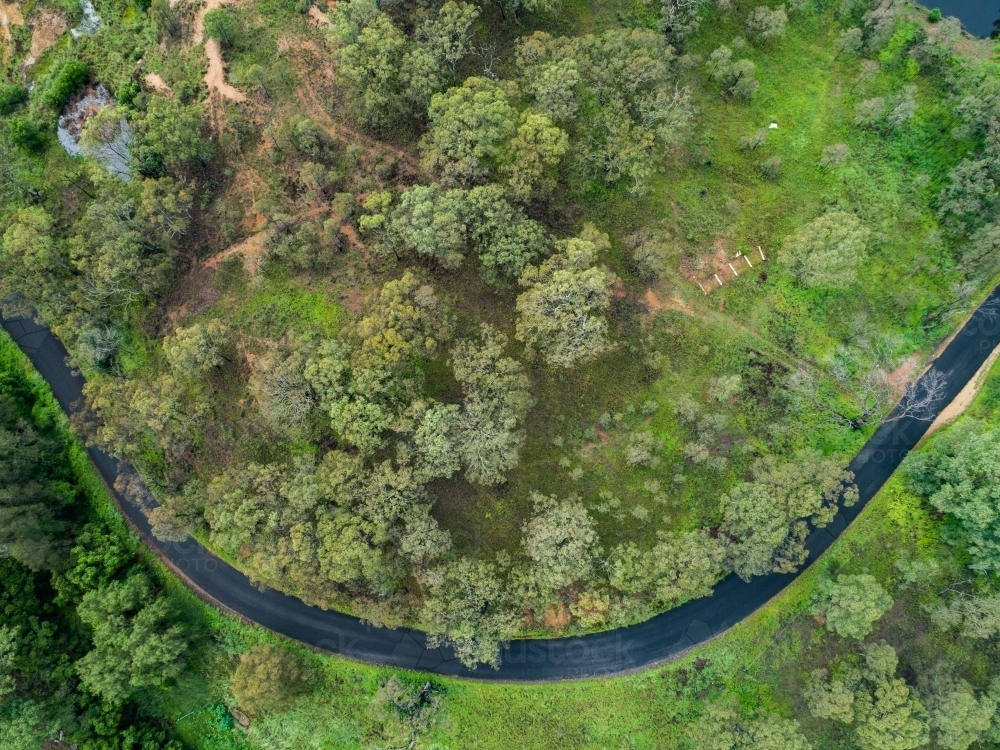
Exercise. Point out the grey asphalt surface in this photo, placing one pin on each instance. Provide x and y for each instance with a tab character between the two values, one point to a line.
613	652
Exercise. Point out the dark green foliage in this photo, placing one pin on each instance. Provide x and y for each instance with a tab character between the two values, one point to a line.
958	473
72	76
43	649
26	133
35	487
11	97
221	26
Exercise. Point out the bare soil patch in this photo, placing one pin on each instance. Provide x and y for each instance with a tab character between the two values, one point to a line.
10	15
157	84
902	376
46	28
319	17
215	78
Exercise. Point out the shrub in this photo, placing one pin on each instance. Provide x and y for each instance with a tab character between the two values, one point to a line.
11	97
268	678
26	133
221	26
72	76
771	168
934	15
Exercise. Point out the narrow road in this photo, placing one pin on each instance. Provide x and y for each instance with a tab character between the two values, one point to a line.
613	652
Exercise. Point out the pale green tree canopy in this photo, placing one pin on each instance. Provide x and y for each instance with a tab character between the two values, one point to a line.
561	541
469	124
852	604
828	251
135	643
559	313
468	608
960	474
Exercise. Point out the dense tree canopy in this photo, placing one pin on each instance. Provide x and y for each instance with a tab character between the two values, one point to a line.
559	313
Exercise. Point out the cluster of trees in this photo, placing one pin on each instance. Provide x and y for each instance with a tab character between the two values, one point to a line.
958	475
487	129
863	692
85	632
438	224
120	250
766	521
632	76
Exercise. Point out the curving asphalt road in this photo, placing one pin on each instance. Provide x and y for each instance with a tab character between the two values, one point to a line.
613	652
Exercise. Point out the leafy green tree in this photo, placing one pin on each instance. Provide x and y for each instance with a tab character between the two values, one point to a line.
976	616
849	41
368	67
123	246
765	25
469	125
761	539
12	96
170	134
497	399
885	712
831	697
26	132
958	715
195	350
33	492
430	222
561	541
278	383
96	557
960	475
468	608
505	239
723	727
447	33
893	720
852	604
680	566
136	644
349	523
70	77
33	262
366	388
533	157
268	678
552	86
25	726
220	25
740	81
432	452
719	62
765	520
559	311
302	249
827	251
679	20
165	18
971	191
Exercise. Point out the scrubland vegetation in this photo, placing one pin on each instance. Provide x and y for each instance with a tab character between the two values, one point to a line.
501	319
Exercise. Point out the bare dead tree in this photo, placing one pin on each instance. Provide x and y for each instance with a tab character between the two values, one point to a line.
488	54
852	403
921	398
859	402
